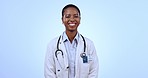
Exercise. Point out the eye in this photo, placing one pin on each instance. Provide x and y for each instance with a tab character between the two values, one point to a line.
76	16
67	16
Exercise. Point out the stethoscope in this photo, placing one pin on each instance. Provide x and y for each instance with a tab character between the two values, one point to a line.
82	55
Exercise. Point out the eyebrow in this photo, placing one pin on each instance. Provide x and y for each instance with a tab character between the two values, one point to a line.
72	14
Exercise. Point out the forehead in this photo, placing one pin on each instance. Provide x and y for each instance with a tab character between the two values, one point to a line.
71	10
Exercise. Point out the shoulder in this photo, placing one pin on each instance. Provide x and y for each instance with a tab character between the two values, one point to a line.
89	44
88	41
90	48
53	42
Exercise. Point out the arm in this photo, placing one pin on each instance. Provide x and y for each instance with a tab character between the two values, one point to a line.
49	65
94	67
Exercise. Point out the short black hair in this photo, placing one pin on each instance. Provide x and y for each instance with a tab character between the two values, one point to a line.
70	5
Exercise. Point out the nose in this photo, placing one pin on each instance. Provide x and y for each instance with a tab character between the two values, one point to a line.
72	18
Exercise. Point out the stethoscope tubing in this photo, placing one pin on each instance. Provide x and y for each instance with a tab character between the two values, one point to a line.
56	52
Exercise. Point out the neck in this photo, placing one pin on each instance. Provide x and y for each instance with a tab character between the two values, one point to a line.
71	35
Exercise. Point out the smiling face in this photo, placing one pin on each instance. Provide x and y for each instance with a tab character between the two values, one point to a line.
71	19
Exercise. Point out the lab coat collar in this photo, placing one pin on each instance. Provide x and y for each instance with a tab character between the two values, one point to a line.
65	37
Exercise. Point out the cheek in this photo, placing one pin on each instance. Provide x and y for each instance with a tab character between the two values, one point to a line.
78	20
64	20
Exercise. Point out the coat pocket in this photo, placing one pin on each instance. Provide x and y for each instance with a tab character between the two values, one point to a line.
84	70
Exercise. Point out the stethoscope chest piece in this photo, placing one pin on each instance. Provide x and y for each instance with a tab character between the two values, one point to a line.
83	54
84	57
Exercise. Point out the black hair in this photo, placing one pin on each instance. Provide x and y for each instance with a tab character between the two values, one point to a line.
70	5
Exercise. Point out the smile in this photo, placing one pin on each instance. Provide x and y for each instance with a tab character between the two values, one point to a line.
72	24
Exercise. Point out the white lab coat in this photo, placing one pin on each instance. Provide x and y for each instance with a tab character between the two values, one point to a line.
59	68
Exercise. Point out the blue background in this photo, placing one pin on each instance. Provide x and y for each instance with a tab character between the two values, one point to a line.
118	28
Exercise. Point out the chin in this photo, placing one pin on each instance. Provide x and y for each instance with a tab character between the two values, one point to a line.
71	30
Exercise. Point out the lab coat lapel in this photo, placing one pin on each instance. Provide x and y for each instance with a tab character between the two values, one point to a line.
80	49
64	54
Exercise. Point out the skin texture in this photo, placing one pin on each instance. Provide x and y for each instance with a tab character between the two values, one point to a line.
71	20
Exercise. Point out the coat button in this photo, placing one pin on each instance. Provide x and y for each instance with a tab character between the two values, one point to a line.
67	67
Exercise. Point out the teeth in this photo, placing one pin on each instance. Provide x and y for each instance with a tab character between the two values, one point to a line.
71	24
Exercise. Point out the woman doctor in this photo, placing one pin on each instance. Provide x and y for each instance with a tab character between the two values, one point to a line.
71	55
